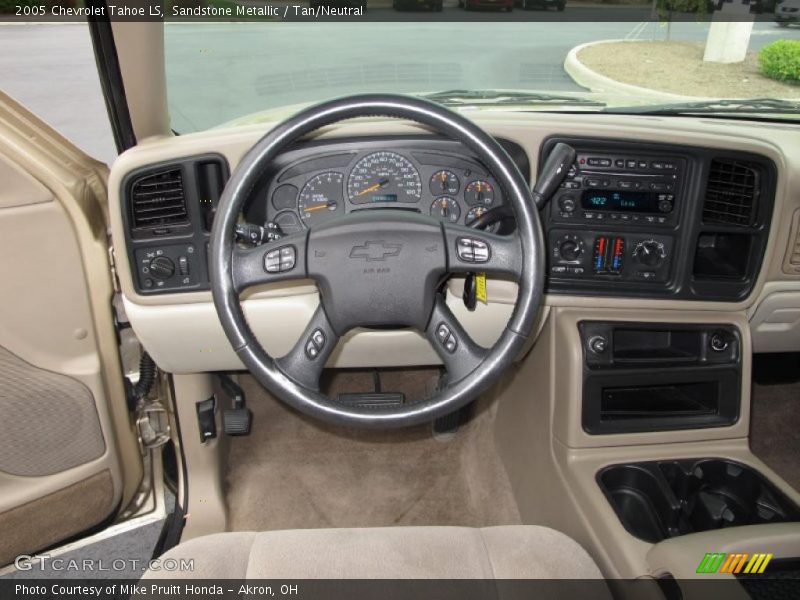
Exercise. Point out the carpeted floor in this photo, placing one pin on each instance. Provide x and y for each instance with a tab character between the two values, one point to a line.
774	427
293	472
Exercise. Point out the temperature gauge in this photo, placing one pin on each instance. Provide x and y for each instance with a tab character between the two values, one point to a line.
446	209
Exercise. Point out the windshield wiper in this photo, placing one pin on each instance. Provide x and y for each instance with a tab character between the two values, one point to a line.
495	97
749	105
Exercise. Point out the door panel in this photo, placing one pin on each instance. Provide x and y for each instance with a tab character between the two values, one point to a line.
68	457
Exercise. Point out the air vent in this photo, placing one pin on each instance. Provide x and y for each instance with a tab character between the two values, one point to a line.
158	199
731	193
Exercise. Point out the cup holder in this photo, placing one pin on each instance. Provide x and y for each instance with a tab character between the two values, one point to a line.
662	499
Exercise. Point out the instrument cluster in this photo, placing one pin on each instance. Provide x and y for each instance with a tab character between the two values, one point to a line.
303	193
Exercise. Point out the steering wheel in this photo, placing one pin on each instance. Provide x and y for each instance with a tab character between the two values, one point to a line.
378	268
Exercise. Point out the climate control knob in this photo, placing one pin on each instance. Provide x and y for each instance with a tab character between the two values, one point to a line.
162	267
569	248
650	253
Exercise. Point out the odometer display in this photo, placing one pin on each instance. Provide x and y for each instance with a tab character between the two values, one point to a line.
384	177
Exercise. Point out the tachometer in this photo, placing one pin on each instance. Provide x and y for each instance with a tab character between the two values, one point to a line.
321	198
384	177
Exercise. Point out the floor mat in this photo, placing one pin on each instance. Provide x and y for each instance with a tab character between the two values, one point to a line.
294	472
774	423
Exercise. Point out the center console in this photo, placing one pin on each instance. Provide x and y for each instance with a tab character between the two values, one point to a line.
658	220
641	377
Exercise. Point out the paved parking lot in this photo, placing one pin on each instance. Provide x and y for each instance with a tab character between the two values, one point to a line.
219	72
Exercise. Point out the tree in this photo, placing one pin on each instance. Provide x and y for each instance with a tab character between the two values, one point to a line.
666	10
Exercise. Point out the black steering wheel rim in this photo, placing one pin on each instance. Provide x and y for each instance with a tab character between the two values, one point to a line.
446	122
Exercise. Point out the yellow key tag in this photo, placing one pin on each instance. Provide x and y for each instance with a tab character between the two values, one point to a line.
480	287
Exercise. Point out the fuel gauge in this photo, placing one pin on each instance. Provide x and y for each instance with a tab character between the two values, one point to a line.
446	209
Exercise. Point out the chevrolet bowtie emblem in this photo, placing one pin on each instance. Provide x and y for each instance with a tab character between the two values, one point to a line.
375	251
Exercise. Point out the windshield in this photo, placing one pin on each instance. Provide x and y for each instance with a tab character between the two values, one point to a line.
219	73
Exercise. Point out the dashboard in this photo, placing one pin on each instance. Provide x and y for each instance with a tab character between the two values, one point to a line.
163	196
630	219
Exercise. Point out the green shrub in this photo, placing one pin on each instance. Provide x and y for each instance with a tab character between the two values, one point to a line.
781	60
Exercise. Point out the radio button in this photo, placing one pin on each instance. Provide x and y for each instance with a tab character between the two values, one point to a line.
642	164
625	185
619	163
567	204
599	162
664	206
631	164
658	187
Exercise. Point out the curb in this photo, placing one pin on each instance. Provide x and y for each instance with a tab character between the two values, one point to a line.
586	77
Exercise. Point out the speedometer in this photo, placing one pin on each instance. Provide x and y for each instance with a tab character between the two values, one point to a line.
384	177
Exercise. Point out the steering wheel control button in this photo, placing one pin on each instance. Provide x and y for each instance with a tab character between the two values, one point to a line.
446	338
280	260
287	258
272	261
472	250
315	344
311	350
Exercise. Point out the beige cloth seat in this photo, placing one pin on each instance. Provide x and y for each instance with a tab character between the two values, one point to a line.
507	552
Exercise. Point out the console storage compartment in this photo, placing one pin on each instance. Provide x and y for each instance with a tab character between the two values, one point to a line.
659	377
662	499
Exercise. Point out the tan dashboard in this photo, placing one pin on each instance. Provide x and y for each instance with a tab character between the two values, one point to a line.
181	331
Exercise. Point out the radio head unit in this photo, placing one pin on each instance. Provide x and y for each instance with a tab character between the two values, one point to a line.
622	189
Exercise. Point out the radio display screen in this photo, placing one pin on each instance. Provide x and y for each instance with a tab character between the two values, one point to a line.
643	202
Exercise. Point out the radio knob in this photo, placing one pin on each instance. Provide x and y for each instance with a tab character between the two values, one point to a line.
665	206
570	250
650	253
162	267
567	204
